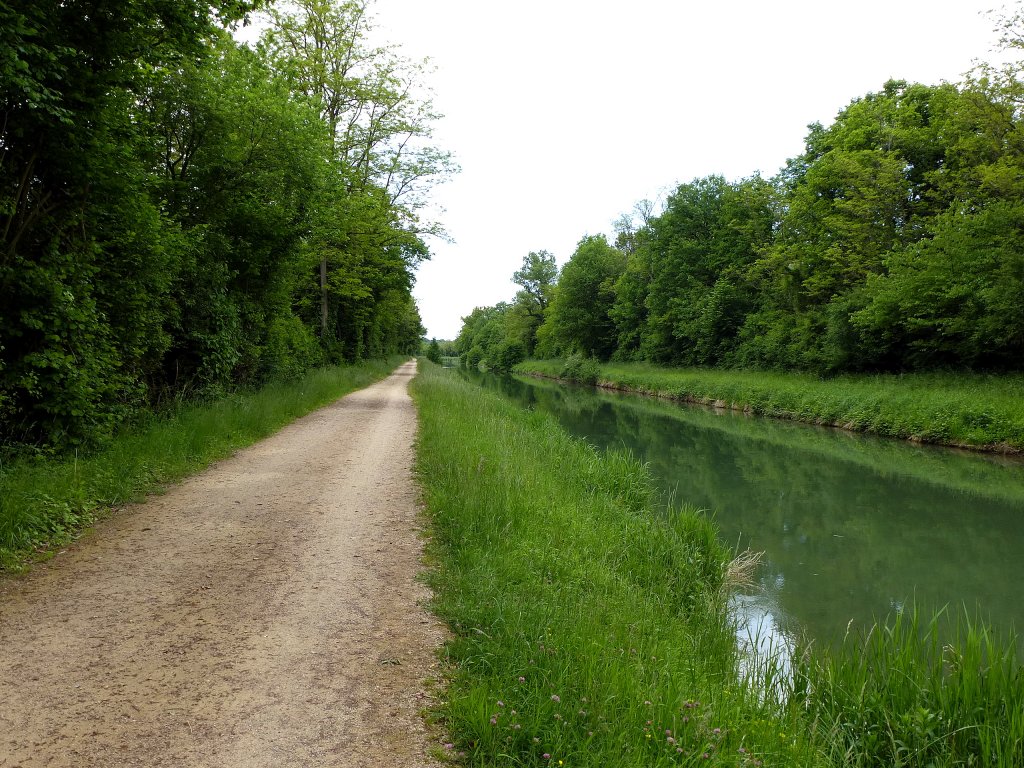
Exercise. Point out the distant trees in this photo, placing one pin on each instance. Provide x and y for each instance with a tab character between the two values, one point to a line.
578	319
893	242
433	352
167	199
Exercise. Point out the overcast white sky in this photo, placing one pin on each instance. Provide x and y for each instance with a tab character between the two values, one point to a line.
564	113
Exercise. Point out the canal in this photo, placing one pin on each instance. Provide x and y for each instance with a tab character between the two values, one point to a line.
853	528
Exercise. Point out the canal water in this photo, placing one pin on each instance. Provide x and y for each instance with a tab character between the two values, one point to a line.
852	528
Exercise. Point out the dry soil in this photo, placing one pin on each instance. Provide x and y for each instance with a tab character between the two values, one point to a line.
263	613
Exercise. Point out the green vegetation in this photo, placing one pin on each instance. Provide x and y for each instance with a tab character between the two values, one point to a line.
587	625
898	696
438	351
976	410
983	475
46	502
892	243
180	213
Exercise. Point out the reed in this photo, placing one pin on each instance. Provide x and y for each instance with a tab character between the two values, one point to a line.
896	695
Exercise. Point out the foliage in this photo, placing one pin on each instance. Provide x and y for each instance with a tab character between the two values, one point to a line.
85	255
508	355
433	352
167	197
583	370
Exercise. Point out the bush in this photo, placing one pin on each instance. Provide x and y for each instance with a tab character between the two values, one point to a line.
508	355
584	370
433	352
473	357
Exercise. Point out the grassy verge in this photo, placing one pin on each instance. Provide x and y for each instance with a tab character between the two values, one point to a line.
978	474
898	696
969	410
588	630
44	503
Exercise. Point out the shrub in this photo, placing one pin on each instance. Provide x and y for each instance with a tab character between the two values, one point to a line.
584	370
508	355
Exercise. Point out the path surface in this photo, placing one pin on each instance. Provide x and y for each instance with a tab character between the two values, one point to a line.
264	613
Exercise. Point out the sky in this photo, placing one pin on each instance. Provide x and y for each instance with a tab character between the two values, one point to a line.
563	114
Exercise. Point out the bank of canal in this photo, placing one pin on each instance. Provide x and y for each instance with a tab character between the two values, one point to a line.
852	527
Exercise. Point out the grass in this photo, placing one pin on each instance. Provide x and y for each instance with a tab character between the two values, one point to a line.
588	629
971	410
897	696
978	474
47	502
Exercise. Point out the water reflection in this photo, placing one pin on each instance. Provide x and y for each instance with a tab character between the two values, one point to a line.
766	649
852	527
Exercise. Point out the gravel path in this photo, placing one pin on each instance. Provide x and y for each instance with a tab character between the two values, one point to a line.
263	613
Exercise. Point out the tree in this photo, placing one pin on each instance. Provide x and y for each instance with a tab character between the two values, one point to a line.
243	166
537	278
86	258
371	100
433	353
579	314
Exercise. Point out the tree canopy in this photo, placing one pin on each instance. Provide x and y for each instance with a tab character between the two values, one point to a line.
182	213
892	242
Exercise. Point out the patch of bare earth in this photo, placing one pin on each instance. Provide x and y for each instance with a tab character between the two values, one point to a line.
263	613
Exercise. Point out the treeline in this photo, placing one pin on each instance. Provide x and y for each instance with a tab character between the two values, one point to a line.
894	242
180	213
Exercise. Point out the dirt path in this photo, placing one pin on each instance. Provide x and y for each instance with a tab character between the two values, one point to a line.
264	613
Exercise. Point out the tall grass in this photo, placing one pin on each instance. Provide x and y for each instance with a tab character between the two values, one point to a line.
975	410
588	629
45	502
896	696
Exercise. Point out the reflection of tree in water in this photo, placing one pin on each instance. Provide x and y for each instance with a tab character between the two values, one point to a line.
850	527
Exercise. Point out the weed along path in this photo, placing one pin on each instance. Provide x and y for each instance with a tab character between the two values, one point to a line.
263	613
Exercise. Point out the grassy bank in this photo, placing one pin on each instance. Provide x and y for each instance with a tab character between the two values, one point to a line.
972	473
588	630
591	631
44	503
970	410
897	695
